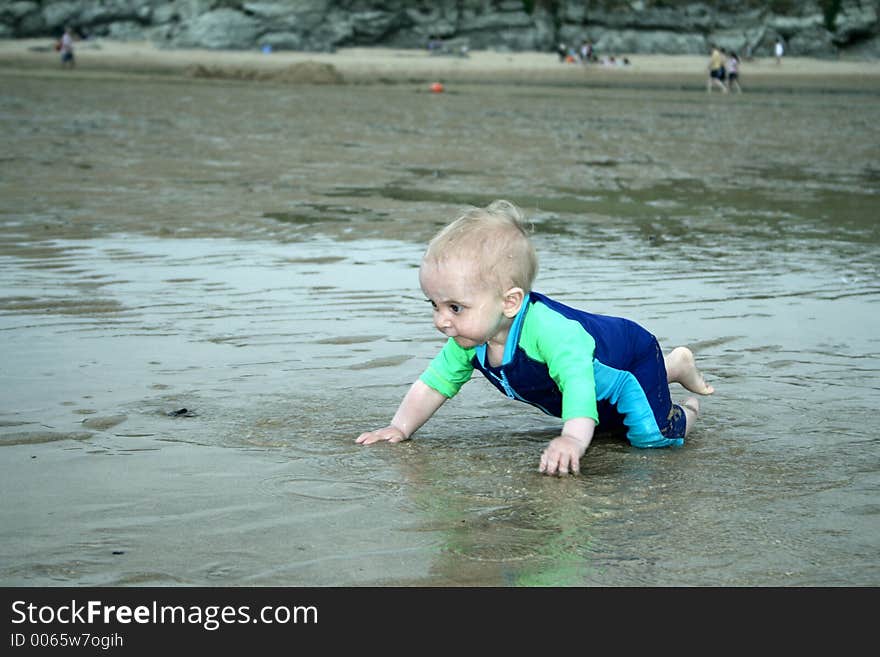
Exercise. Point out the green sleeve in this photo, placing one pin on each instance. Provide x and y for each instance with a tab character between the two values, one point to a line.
568	350
449	370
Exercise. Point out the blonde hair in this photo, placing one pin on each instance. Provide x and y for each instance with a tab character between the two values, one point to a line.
495	239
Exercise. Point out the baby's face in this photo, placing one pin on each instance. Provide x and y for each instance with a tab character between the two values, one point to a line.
465	308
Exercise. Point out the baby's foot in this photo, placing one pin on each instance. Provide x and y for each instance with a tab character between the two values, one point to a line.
682	368
694	381
692	404
691	408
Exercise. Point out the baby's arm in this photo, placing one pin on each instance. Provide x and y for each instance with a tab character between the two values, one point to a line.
563	454
419	404
568	350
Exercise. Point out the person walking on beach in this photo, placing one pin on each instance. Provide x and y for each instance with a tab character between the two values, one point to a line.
733	73
716	71
586	369
586	52
66	49
561	52
778	51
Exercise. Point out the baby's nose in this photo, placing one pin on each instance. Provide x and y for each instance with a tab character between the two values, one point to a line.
442	320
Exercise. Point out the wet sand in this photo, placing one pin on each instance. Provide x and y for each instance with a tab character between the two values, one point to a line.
247	252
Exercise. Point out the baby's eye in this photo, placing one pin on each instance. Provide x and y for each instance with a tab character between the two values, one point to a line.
455	308
433	305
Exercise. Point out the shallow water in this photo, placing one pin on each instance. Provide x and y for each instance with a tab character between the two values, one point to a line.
248	252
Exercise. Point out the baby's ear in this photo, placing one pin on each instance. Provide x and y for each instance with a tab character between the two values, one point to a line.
513	300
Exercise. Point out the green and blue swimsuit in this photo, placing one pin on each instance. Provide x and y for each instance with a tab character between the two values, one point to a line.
570	363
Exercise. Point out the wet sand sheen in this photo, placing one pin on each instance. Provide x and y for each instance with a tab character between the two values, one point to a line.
256	266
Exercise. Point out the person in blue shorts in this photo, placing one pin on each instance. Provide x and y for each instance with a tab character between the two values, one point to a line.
584	368
66	48
717	73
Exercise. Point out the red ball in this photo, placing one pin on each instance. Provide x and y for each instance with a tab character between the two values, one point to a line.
437	88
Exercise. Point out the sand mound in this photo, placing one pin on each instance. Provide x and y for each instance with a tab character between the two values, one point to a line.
300	73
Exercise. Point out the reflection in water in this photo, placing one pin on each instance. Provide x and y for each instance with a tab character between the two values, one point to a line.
225	249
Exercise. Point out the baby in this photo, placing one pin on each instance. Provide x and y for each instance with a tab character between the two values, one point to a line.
586	369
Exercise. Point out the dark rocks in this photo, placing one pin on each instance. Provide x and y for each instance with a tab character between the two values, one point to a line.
820	28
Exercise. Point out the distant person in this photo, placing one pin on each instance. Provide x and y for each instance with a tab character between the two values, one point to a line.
778	51
436	45
586	52
716	71
583	368
562	51
66	49
733	73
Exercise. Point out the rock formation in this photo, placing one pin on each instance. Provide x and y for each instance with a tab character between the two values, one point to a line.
817	28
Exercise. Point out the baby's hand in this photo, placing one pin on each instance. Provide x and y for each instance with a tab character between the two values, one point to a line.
563	455
389	433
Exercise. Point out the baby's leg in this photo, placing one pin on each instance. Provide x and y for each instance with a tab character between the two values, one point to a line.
681	368
691	408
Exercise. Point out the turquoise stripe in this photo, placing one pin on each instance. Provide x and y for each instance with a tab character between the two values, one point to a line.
515	330
622	389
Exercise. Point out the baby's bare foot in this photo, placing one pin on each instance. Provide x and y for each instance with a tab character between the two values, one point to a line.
681	368
691	408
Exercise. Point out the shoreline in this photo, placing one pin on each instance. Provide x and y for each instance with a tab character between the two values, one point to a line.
101	58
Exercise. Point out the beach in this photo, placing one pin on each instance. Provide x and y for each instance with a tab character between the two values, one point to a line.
99	57
209	288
